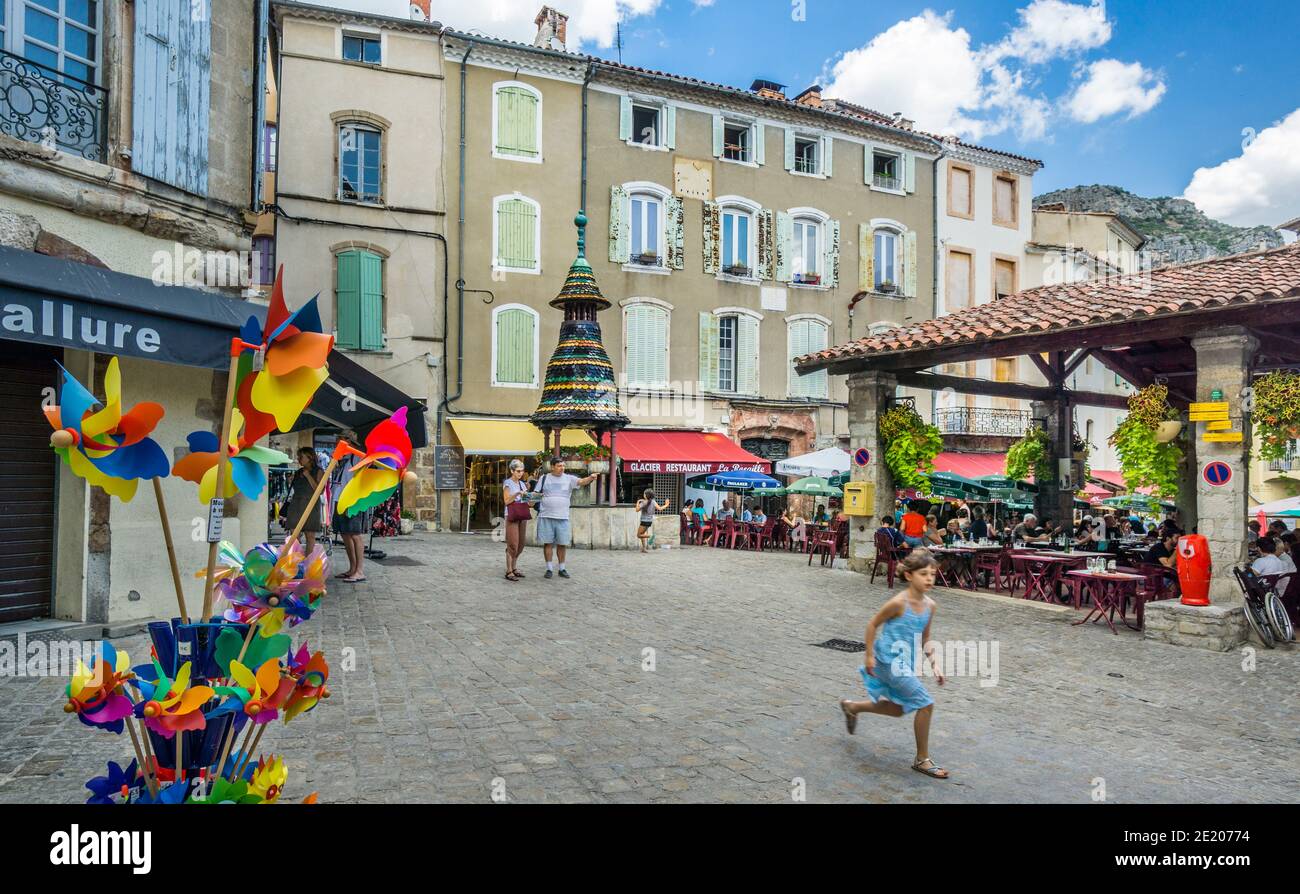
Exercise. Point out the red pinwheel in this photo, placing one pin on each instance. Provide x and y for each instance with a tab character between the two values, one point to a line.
95	694
170	706
261	694
376	476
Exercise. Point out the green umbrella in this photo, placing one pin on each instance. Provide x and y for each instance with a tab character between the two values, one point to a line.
948	484
1133	503
814	487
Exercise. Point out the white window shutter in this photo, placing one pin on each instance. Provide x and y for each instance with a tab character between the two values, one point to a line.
717	136
708	352
797	348
659	347
784	246
746	355
765	220
625	118
670	127
831	252
866	265
789	149
909	172
712	237
817	339
760	144
909	264
620	238
867	170
675	226
828	155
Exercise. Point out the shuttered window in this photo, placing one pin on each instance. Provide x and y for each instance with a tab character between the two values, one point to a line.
886	258
805	337
360	164
171	84
516	234
518	122
645	332
1004	278
737	227
958	278
959	190
647	228
807	255
514	346
1005	204
359	301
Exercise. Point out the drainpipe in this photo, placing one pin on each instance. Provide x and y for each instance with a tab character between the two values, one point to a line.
586	81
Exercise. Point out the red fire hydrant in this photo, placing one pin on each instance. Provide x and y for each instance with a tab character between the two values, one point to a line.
1194	569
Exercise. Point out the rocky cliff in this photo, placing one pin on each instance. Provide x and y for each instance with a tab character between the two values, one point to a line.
1176	229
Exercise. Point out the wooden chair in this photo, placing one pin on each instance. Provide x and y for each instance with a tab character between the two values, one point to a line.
763	536
886	554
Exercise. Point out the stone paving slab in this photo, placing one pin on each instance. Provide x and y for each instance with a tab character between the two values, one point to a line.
463	685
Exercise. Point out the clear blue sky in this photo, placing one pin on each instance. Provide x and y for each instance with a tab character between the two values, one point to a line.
1197	74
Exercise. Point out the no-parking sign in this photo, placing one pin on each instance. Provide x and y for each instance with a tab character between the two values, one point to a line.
1217	474
862	456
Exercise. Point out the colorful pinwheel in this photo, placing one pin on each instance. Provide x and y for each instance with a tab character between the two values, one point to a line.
294	365
311	674
170	706
95	694
116	782
376	476
225	791
109	449
276	585
269	779
261	695
244	470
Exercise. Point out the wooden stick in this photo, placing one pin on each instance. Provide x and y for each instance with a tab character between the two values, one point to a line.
225	751
180	757
248	756
243	751
171	549
139	756
223	460
148	753
315	497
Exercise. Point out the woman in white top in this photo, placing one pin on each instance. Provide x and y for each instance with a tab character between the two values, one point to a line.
513	494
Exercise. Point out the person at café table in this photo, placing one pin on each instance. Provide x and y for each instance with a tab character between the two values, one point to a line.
746	515
758	517
798	527
1274	561
724	511
1083	534
820	517
1028	531
979	528
952	533
895	536
932	535
912	526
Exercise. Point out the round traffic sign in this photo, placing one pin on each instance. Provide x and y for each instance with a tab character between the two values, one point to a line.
862	456
1217	474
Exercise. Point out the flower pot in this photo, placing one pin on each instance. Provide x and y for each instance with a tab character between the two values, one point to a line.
407	525
1167	431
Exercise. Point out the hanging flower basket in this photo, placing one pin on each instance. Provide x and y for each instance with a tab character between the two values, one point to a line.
1168	430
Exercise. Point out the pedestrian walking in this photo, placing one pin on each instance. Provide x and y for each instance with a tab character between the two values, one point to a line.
351	528
553	530
518	511
890	671
301	489
647	507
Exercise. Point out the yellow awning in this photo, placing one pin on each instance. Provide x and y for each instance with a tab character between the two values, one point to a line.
508	437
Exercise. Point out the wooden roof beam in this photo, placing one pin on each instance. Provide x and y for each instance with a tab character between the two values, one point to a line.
1015	390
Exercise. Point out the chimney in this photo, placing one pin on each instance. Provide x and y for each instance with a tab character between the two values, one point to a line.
768	89
810	97
901	122
420	11
552	27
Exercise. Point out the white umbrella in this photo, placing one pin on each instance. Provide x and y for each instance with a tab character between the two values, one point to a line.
821	463
1275	507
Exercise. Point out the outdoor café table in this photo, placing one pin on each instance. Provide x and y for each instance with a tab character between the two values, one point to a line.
1043	573
960	570
1109	590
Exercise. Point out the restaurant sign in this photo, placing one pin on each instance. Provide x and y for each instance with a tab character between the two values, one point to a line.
647	467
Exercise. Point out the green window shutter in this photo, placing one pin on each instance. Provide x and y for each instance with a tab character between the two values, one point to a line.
347	300
717	136
514	347
866	250
620	239
784	245
516	235
516	122
372	302
675	218
909	172
909	264
746	355
789	149
670	127
867	171
828	154
712	237
708	352
766	221
625	118
831	249
760	144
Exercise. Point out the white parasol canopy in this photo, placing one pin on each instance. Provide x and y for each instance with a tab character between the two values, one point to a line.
1273	508
821	463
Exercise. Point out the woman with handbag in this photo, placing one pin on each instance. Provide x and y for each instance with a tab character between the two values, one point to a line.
302	489
518	512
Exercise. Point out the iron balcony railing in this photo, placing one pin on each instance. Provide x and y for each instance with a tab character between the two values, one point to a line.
982	421
41	105
1290	461
883	181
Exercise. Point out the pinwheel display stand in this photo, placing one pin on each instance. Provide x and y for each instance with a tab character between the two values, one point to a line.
223	675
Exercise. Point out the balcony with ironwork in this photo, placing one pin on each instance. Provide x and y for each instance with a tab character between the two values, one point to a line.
982	421
1290	461
57	110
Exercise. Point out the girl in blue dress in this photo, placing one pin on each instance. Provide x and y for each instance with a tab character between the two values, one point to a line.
895	637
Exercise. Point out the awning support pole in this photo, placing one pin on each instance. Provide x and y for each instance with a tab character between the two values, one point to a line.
613	468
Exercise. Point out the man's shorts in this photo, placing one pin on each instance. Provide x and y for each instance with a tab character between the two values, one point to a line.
553	530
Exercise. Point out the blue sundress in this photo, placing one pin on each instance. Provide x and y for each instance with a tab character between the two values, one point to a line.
895	675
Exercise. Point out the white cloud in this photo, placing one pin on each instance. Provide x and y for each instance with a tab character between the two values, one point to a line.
1052	28
1110	87
1260	186
590	21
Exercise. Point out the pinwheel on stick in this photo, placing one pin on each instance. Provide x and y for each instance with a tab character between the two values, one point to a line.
377	474
111	449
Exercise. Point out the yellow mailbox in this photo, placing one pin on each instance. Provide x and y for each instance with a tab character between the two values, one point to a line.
859	498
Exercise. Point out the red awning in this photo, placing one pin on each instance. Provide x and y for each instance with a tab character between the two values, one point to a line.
971	465
1110	477
683	452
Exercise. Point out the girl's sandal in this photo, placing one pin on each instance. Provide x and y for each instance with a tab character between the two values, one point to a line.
519	575
934	771
510	576
850	720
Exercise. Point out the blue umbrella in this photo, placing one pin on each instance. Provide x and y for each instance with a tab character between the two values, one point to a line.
743	480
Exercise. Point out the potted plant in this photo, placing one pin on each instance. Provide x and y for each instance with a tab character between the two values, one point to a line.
1144	460
647	259
808	279
1276	412
911	444
407	522
736	270
1028	456
596	458
886	288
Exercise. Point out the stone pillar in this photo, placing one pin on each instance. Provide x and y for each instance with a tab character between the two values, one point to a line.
869	395
1187	481
1223	363
1052	502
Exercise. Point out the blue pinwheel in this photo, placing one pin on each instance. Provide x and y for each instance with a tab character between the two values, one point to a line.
117	782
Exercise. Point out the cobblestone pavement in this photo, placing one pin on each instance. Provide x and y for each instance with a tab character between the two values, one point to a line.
462	678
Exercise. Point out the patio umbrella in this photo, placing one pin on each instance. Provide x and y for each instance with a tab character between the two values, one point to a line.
1277	507
820	463
742	481
814	487
1134	503
949	484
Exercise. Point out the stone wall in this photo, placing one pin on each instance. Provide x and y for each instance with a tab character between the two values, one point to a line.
612	527
1214	627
